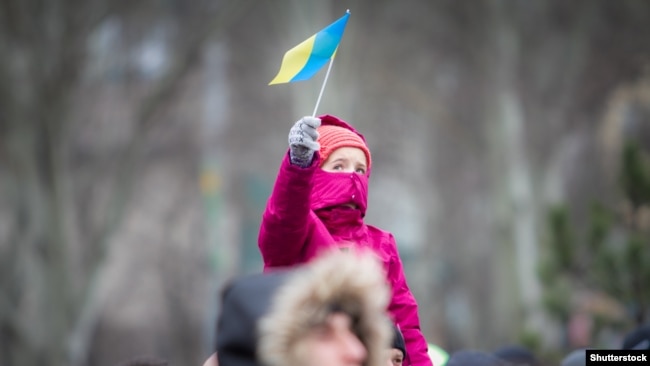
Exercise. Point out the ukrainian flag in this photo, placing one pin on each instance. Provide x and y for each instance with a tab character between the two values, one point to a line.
304	60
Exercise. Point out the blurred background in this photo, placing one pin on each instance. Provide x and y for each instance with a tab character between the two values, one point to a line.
139	142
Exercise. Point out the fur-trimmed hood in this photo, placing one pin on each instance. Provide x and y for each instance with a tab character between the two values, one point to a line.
352	282
300	299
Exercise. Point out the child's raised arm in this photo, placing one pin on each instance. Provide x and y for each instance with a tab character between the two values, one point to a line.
302	141
284	229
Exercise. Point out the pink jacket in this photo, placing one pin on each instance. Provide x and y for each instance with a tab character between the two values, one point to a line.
304	216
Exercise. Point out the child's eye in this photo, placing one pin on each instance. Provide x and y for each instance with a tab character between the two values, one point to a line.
360	171
338	167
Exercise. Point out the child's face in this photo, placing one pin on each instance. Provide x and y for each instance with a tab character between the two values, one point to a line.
396	357
346	160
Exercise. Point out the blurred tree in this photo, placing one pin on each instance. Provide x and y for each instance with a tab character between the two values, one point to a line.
611	258
61	204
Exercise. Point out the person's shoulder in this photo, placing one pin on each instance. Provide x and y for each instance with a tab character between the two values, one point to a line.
382	239
376	232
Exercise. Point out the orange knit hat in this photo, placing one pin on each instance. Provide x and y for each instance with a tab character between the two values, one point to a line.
332	137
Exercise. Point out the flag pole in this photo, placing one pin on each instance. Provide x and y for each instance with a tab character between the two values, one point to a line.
327	74
320	95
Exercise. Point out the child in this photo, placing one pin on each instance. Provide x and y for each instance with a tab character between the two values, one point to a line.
319	200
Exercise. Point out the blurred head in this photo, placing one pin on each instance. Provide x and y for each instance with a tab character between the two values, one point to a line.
332	343
396	357
330	311
638	338
575	358
342	150
517	356
474	358
397	352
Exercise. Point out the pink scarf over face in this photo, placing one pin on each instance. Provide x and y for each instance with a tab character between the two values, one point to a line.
330	191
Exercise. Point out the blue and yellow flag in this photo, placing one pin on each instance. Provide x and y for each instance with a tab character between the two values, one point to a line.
304	60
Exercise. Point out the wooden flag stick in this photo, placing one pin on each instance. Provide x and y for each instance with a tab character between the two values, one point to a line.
320	95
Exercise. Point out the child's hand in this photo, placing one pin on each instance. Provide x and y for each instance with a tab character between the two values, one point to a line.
302	141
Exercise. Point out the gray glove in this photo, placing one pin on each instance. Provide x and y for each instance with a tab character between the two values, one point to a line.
302	141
